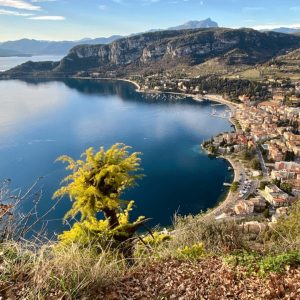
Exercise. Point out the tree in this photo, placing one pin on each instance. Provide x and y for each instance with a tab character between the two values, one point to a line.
287	187
289	156
95	186
235	186
255	164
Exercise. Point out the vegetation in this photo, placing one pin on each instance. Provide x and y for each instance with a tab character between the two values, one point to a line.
94	254
234	187
263	184
231	88
255	164
95	186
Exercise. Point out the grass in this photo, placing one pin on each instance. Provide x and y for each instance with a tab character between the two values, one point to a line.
29	270
263	265
64	273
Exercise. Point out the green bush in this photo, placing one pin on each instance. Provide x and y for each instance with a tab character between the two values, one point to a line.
194	252
262	265
263	184
234	187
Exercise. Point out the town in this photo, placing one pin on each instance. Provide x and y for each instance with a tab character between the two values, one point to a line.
264	149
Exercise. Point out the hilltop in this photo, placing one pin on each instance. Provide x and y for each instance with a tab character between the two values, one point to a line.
168	50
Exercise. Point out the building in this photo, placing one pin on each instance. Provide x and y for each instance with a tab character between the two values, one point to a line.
275	196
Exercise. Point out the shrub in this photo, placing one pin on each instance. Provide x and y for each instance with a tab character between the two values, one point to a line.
156	238
234	187
259	264
286	234
263	184
194	252
255	164
95	186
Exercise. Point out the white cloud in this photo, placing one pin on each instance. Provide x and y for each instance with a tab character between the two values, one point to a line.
102	7
19	4
13	13
272	26
48	18
253	8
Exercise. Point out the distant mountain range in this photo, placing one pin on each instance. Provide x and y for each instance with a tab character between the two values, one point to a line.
37	47
207	23
287	30
165	51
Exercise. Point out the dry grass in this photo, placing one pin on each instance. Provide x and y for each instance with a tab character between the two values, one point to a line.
37	273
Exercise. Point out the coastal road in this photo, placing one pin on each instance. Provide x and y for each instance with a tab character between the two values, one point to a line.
232	197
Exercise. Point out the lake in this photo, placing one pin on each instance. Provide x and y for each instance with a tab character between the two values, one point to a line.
41	120
7	63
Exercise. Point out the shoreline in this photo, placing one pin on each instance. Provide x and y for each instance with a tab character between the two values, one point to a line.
229	200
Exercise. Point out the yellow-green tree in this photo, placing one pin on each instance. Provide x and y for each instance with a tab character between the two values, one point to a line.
95	187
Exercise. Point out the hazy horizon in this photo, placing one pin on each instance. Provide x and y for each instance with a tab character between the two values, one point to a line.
75	20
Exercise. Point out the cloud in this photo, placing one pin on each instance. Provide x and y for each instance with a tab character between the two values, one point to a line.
272	26
102	7
253	8
13	13
48	18
19	4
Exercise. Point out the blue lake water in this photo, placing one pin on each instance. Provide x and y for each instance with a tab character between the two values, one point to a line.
41	120
7	63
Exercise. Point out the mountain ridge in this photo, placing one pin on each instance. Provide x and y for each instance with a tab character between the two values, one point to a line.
166	50
44	47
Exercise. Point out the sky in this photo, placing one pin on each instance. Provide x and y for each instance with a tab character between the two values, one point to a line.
77	19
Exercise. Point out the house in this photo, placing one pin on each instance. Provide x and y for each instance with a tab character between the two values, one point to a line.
244	207
275	196
259	204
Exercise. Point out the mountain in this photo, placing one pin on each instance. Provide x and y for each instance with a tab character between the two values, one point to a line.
37	47
166	50
8	53
286	30
207	23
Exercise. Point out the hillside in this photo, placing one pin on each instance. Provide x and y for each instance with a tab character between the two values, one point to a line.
168	50
282	66
8	53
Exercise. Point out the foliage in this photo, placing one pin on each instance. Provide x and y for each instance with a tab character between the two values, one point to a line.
266	213
263	184
255	164
289	156
234	187
233	88
286	187
257	263
194	252
156	238
247	154
286	234
95	186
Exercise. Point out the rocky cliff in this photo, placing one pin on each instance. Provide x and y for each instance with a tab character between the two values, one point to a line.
166	49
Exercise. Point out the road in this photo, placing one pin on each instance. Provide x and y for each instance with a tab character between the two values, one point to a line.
261	160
